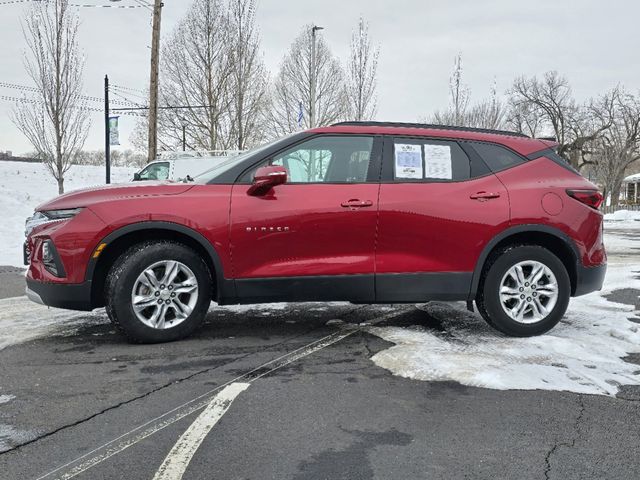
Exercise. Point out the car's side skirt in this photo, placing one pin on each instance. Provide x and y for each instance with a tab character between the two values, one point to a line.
366	288
417	287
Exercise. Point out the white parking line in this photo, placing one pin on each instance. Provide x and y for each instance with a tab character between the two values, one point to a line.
135	435
178	459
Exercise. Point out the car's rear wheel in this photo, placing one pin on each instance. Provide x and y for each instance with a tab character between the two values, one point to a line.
525	291
158	291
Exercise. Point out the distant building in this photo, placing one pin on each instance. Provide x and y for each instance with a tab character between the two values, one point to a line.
8	157
631	189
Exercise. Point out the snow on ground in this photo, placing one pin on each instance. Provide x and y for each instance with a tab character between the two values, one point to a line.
622	215
583	353
22	320
24	185
623	220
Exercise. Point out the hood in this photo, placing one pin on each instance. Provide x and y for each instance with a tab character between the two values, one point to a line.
90	196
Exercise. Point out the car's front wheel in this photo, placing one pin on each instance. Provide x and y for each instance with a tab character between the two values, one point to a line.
525	291
158	291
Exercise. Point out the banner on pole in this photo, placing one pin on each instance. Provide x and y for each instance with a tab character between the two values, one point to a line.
114	138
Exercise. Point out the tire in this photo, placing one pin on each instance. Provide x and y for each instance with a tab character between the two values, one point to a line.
143	267
539	310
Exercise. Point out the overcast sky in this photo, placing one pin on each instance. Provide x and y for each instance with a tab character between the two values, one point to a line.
595	44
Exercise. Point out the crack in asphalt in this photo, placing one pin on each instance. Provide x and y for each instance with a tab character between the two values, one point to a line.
151	392
114	407
570	444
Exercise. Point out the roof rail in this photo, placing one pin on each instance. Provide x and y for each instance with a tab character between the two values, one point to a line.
427	125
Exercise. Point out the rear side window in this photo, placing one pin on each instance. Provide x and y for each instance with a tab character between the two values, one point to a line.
497	157
429	160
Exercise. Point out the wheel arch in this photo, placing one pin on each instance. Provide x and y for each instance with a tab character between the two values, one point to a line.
121	239
553	239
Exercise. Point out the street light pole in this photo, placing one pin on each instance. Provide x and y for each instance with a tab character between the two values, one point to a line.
107	133
153	81
312	100
184	135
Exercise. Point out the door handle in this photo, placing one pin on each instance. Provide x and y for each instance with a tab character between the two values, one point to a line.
356	203
484	195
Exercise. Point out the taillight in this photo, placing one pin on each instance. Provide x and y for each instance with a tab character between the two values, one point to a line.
591	198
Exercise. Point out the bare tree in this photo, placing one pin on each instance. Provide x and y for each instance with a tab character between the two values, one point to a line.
56	122
291	92
362	74
488	113
551	100
458	91
196	72
618	147
456	113
523	118
248	83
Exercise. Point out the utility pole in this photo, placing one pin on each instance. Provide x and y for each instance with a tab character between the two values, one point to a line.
312	106
107	132
153	81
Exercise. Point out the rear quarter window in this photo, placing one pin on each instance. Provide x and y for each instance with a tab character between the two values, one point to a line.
496	157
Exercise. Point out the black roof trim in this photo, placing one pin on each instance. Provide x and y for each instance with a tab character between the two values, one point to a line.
427	125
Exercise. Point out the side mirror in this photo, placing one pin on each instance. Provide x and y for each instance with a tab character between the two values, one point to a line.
266	178
136	177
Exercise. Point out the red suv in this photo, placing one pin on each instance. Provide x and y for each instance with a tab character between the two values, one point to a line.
363	212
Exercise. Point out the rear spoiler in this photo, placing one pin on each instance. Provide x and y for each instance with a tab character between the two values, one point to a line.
549	142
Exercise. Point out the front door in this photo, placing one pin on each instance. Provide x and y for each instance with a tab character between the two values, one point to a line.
313	237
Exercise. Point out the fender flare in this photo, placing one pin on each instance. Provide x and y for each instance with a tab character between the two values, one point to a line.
170	226
522	228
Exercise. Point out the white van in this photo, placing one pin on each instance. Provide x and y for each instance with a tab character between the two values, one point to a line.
176	168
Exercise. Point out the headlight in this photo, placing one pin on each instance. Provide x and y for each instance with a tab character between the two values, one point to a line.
40	218
61	214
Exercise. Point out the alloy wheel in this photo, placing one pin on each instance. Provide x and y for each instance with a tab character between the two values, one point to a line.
164	294
528	292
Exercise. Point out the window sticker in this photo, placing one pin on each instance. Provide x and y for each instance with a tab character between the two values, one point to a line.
438	161
408	161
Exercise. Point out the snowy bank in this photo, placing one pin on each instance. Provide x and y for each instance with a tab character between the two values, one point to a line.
622	216
23	186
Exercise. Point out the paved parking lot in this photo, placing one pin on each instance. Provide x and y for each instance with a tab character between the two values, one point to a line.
90	405
284	392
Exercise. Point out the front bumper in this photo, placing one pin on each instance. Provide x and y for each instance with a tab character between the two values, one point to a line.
72	296
589	279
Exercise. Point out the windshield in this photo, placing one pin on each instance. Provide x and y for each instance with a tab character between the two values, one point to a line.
229	163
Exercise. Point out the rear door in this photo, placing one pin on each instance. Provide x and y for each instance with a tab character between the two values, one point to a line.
439	206
313	237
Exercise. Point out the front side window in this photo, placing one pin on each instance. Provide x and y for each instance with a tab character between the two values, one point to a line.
325	159
155	171
429	160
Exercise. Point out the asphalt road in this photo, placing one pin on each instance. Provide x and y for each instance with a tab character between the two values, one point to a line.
90	405
11	281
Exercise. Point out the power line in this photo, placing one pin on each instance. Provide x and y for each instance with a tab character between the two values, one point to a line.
126	100
11	2
90	5
82	107
140	4
120	87
145	5
26	88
